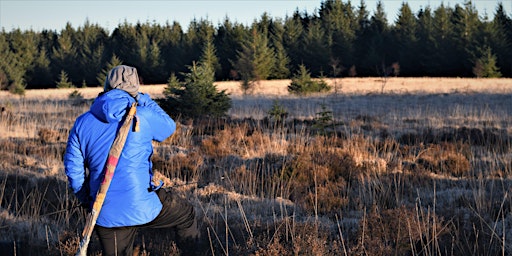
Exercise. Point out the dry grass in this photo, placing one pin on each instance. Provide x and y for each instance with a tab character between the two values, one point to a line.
276	88
421	169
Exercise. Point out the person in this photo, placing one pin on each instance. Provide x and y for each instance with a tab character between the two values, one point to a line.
132	200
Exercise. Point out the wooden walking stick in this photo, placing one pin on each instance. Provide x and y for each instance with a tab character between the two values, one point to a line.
110	167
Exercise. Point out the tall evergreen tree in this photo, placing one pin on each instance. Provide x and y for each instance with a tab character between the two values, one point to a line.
362	18
465	28
281	68
124	43
255	60
209	56
293	32
445	59
340	24
362	32
377	44
264	24
315	50
101	77
172	48
426	45
18	50
153	66
501	37
39	76
64	53
10	71
405	35
91	40
198	33
228	42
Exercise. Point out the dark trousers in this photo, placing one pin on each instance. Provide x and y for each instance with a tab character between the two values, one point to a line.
176	213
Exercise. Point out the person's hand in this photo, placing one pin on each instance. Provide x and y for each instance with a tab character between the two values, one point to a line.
84	198
144	99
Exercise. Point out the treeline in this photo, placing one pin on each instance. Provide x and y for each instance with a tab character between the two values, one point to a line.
338	40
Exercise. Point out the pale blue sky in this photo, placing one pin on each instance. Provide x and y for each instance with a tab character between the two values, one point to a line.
53	15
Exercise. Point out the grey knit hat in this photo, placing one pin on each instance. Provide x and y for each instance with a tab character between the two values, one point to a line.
122	77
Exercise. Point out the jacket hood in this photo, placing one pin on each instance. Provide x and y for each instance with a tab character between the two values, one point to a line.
111	106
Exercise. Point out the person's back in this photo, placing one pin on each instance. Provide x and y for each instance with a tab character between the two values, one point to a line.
128	202
131	200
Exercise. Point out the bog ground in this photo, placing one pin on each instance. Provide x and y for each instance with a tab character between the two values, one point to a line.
412	166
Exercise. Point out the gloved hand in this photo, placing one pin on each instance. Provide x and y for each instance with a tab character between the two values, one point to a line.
83	197
144	99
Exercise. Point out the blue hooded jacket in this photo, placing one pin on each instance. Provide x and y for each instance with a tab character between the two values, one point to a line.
128	201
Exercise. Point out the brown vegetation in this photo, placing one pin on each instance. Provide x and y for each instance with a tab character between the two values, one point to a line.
397	173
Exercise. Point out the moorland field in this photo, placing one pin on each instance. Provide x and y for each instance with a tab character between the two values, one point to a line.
404	166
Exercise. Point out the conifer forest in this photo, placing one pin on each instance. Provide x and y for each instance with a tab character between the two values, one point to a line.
340	39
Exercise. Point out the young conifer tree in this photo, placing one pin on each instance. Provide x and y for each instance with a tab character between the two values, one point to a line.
197	96
63	81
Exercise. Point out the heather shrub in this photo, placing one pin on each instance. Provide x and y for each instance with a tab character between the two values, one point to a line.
182	165
381	184
445	159
322	173
399	231
49	135
287	237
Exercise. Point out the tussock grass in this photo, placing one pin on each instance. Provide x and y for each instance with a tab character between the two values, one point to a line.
404	172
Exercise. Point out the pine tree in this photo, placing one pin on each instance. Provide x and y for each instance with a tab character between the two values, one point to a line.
209	56
153	66
501	37
465	26
445	57
281	68
64	53
63	81
340	24
361	43
377	44
14	65
362	18
426	45
196	96
90	45
124	43
255	60
303	84
40	75
114	61
405	35
173	85
198	33
292	37
172	49
485	66
228	42
315	50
